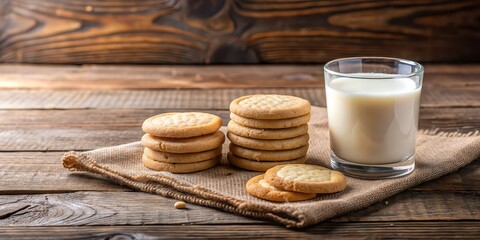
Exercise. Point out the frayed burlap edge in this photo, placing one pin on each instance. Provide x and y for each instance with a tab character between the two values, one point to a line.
169	187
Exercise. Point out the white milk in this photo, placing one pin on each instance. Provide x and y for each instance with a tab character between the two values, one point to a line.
373	121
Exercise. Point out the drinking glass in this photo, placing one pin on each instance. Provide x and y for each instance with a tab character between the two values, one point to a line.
372	105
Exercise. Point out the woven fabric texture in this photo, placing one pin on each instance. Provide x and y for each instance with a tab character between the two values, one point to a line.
223	186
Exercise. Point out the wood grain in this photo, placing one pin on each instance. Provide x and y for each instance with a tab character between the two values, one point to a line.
382	230
137	208
42	172
462	95
444	85
151	77
107	208
240	31
217	99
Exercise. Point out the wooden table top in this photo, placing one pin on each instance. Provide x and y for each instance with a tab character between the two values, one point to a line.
48	110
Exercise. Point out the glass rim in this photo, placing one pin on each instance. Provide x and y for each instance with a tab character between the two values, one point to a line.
419	68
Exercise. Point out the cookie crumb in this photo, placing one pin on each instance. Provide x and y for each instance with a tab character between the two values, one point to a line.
180	205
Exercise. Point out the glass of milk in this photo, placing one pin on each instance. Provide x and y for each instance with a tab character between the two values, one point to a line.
372	105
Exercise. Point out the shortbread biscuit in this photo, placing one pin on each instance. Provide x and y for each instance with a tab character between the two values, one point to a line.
263	155
270	106
182	125
184	145
182	157
262	144
180	167
259	188
306	178
271	124
259	166
267	133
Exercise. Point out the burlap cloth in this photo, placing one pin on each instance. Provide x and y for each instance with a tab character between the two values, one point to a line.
223	187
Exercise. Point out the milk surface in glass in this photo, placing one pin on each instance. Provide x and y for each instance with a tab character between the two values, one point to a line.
373	120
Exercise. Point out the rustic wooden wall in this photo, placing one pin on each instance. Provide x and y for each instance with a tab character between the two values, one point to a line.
237	31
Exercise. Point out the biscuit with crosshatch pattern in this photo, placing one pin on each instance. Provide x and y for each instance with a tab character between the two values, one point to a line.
270	106
182	124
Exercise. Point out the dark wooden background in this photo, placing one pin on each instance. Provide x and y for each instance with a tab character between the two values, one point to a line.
236	31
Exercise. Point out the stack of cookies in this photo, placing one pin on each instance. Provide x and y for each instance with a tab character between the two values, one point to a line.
295	182
182	142
268	130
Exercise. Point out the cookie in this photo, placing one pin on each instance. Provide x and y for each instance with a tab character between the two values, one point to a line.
182	157
270	106
306	178
180	167
259	188
259	166
263	155
271	124
182	125
262	144
184	145
267	133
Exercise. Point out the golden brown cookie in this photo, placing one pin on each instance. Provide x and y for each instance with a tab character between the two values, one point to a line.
267	133
259	188
259	166
262	144
263	155
184	145
182	157
270	106
182	125
306	178
269	123
180	167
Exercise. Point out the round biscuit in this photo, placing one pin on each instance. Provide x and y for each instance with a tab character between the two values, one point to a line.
182	157
306	178
269	123
270	106
182	125
184	145
263	144
267	133
263	155
180	167
259	166
259	188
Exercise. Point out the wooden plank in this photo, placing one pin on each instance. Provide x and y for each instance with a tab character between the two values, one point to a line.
245	31
41	172
18	76
107	208
218	99
446	92
382	230
61	130
135	208
149	77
